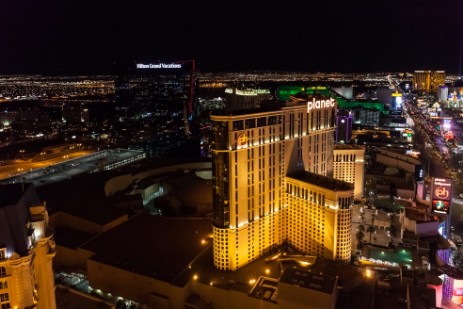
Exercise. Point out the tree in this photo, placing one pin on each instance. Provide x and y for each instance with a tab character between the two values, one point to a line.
362	217
359	235
393	231
371	229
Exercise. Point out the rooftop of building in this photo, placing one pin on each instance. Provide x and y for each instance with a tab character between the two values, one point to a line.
419	215
70	238
268	106
158	247
260	277
399	154
322	181
348	147
10	194
297	100
147	164
82	196
186	188
387	293
305	278
381	170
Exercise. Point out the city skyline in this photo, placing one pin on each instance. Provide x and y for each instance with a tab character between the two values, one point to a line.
329	36
260	196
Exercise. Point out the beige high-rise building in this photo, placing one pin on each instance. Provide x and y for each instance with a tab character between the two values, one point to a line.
26	250
253	155
348	165
428	80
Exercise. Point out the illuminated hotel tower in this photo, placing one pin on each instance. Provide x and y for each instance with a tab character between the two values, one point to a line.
26	250
428	80
253	153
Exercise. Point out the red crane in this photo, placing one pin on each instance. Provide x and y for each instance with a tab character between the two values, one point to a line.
188	106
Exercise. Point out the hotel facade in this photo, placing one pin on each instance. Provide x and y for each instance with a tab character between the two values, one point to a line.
348	165
270	184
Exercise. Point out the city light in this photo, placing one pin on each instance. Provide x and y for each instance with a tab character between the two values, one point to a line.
368	273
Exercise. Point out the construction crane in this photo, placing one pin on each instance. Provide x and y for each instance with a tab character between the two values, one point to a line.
188	105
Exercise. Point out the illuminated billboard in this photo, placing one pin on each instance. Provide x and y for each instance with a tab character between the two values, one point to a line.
159	66
320	104
441	206
441	195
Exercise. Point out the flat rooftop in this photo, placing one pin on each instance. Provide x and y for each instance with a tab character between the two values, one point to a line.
158	247
82	196
322	181
348	147
304	278
260	278
70	238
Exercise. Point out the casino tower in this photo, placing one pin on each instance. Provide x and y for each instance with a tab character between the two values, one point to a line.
270	183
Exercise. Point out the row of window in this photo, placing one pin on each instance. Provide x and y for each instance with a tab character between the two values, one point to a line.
345	158
306	194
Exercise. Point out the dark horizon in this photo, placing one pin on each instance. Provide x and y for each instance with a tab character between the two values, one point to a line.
51	37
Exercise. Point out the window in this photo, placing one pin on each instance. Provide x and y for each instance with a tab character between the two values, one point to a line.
2	271
4	297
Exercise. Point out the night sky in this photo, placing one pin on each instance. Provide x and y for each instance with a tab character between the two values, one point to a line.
101	36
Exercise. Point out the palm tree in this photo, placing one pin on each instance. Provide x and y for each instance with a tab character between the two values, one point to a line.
393	231
359	235
371	229
362	217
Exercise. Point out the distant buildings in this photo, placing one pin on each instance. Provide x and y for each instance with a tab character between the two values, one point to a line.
27	250
239	99
428	80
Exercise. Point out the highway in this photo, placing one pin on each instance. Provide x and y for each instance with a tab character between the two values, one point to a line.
26	168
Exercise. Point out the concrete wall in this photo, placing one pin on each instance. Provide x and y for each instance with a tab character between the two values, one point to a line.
220	298
294	297
140	288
